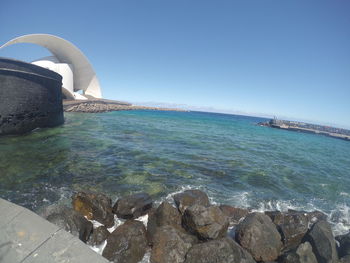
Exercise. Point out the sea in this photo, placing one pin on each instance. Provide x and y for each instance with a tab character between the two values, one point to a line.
230	157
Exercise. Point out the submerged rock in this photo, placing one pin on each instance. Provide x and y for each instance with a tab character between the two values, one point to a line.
323	243
344	245
94	206
234	214
69	220
99	235
189	198
223	250
133	206
127	243
170	245
205	222
303	254
259	236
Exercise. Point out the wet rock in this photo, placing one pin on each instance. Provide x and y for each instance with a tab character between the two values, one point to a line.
292	226
94	206
133	206
164	215
223	250
69	220
170	245
323	243
127	243
345	259
234	214
205	222
259	235
303	254
189	198
99	235
316	216
344	245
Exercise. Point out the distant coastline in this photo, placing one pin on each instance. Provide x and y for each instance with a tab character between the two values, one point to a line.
333	132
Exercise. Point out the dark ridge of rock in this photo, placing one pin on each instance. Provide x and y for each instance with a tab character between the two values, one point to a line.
205	222
344	245
259	235
189	198
127	243
164	215
69	220
323	243
133	206
223	250
170	245
94	206
99	235
31	97
234	214
315	216
292	226
303	254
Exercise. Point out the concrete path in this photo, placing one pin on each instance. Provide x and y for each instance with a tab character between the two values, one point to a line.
26	237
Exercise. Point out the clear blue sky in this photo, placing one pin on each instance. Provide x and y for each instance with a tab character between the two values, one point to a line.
286	58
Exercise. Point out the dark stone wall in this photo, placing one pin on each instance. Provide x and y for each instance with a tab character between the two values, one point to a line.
30	97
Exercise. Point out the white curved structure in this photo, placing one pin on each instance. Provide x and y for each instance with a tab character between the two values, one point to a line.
68	61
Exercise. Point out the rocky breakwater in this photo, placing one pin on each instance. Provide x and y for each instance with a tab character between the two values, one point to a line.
196	231
30	97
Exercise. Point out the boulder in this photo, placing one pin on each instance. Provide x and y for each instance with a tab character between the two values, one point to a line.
316	216
127	243
205	222
259	235
170	245
69	220
323	243
164	215
190	197
292	226
223	250
99	235
344	245
234	214
303	254
133	206
94	206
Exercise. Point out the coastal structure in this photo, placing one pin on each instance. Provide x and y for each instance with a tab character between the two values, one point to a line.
78	76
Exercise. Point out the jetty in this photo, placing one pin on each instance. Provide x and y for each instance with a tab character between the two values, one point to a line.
26	237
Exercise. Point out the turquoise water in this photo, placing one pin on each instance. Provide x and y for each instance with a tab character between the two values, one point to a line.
228	156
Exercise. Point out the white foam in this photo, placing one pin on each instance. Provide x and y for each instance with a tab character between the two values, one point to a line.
143	219
146	257
99	249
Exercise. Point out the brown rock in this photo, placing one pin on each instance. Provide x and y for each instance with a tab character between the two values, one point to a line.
234	214
133	206
99	235
190	197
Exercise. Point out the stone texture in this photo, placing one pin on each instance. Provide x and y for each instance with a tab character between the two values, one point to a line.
190	197
344	245
259	235
234	214
205	222
303	254
345	259
223	250
94	206
127	243
133	206
323	243
31	97
170	245
99	235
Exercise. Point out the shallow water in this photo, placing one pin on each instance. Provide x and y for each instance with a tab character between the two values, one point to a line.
228	156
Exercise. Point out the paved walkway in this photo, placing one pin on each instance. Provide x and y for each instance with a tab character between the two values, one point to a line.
26	237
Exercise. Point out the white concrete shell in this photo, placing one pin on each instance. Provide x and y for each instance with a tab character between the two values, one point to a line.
85	78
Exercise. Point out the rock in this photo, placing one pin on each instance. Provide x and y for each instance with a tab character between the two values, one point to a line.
234	214
292	226
190	197
316	216
164	215
303	254
344	245
127	243
133	206
345	259
94	206
170	245
205	222
323	243
259	236
223	250
99	235
69	220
